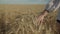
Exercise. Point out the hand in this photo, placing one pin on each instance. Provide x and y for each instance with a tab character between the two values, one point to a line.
41	17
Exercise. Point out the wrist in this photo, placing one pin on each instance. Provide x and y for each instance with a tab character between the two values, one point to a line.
45	13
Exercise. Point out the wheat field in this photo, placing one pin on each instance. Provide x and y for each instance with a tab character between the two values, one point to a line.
20	19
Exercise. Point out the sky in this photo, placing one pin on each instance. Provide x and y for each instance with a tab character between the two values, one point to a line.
24	1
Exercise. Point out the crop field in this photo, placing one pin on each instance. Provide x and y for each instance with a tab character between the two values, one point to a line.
20	19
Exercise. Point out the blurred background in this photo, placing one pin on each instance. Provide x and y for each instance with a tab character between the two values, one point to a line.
24	1
19	17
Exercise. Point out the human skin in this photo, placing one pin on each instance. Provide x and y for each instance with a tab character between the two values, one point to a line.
41	17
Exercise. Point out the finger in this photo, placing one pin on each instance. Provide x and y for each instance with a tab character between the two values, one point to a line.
38	20
41	21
